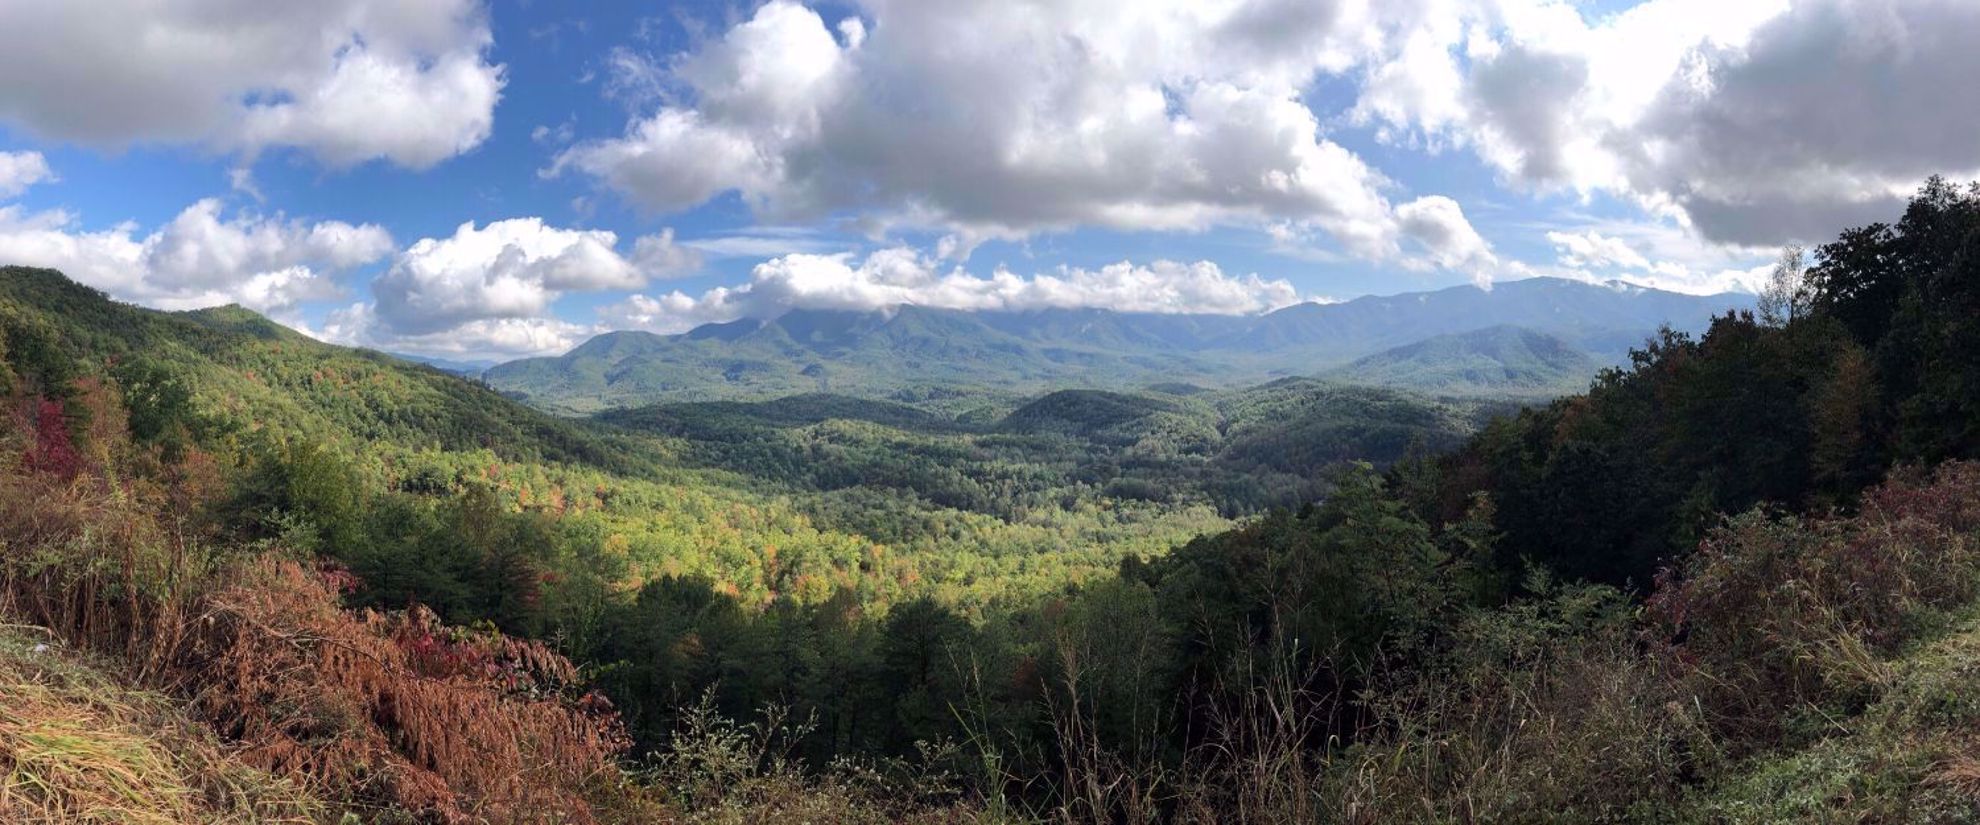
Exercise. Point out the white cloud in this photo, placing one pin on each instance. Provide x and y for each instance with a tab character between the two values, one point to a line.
1593	250
1658	254
994	120
1448	241
1746	123
498	338
20	170
346	80
482	291
1751	123
669	313
767	242
1677	278
561	134
198	259
1826	118
511	269
374	107
891	277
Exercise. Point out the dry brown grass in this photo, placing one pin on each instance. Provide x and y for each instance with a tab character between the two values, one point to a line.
1771	674
1547	712
78	746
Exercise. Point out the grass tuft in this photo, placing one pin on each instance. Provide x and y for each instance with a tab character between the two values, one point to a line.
77	746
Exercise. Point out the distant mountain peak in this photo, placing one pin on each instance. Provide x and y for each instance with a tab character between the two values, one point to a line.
875	352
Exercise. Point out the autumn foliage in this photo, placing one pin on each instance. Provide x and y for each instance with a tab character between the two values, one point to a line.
459	723
384	710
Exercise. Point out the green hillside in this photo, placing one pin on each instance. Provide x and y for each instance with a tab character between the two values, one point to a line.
1093	414
1495	361
871	354
907	349
417	445
1236	451
250	375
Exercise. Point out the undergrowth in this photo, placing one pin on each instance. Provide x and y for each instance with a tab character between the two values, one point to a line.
389	714
77	745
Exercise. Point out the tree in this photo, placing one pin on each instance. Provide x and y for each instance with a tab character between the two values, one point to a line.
160	403
1787	294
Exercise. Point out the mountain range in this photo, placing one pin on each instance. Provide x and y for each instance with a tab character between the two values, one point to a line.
1532	336
1495	361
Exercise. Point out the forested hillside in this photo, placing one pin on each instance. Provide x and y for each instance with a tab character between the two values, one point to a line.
1502	361
1237	451
1734	581
909	350
241	373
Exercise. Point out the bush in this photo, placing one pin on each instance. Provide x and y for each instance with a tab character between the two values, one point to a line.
1545	711
719	772
1777	613
395	708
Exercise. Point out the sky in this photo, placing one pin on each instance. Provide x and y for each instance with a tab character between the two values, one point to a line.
490	179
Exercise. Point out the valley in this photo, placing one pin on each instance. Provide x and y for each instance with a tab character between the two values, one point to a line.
961	412
943	573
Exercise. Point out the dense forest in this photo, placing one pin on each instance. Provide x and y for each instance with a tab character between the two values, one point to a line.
1537	336
1732	581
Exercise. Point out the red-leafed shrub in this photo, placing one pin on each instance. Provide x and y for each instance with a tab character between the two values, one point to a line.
53	451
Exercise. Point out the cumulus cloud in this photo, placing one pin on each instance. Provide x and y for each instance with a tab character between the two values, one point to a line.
1655	254
20	170
200	258
891	277
346	80
994	120
1747	124
500	338
1751	123
1593	250
1448	241
512	269
1827	117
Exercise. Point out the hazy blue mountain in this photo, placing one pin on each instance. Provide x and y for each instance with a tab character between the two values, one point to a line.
907	349
1500	360
470	369
1601	318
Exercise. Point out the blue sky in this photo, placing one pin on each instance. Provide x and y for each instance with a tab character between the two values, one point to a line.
1220	156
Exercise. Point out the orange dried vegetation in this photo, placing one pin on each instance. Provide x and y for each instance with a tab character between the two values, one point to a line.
398	707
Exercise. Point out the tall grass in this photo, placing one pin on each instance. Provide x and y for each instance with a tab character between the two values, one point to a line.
79	746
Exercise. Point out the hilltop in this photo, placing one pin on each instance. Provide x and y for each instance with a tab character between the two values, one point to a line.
250	375
1495	361
909	348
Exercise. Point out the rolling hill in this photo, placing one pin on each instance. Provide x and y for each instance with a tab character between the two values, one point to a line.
906	349
1502	360
1237	450
250	374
